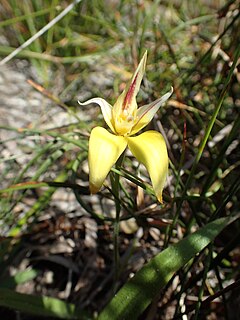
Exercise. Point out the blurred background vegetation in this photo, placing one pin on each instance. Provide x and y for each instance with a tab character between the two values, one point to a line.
56	240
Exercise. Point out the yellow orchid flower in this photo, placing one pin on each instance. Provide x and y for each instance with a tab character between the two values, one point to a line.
125	119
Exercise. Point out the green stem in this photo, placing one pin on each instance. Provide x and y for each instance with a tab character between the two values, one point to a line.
170	228
201	290
115	189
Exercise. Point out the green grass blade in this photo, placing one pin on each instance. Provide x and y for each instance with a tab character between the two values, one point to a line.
36	184
40	32
20	278
213	172
134	297
213	119
87	58
40	306
39	205
24	17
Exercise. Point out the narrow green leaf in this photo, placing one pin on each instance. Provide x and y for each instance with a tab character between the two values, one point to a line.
38	184
25	53
20	278
134	297
24	17
39	205
41	306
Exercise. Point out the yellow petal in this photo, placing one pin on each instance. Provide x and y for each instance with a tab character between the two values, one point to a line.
104	150
106	109
150	149
147	112
127	100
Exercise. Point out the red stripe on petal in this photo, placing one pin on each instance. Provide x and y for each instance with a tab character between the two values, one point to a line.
129	94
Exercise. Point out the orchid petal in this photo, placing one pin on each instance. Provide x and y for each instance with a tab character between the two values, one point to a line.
127	100
104	150
150	149
147	112
106	109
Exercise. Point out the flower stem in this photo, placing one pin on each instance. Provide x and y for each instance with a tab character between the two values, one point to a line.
115	189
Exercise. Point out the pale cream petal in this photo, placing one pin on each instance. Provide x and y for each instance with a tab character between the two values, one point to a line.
150	149
104	150
106	109
127	99
147	112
